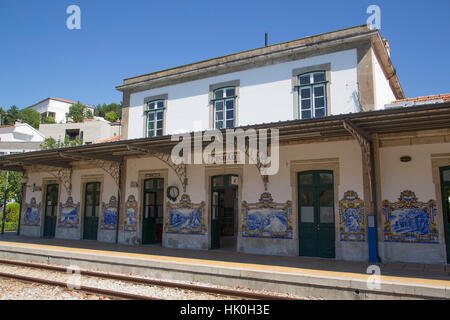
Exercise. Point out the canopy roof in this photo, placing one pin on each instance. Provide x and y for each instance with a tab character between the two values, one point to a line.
395	120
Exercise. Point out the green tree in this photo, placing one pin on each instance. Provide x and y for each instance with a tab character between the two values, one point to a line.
51	143
2	116
89	114
77	112
102	110
111	116
49	120
30	116
11	115
14	186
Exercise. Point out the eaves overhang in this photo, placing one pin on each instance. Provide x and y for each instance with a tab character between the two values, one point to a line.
396	120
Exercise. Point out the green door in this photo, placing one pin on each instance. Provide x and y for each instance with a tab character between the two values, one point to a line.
51	202
223	208
152	220
91	210
445	185
316	214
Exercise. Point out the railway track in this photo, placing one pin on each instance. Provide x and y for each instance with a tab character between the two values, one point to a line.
136	280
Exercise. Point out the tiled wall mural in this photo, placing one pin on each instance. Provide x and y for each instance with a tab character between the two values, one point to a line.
32	213
409	220
109	214
352	223
186	217
267	219
131	207
68	217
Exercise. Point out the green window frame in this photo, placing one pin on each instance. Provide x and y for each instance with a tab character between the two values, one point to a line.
154	118
224	104
312	94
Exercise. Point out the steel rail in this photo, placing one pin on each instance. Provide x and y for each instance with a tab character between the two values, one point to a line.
159	283
91	290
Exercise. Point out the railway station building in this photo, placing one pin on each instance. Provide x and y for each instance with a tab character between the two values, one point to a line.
356	172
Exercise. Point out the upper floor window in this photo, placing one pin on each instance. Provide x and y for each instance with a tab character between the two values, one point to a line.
312	94
154	115
224	102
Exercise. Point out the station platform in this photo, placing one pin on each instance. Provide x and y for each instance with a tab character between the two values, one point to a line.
305	277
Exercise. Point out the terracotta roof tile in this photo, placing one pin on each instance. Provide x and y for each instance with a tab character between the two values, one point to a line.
112	139
444	97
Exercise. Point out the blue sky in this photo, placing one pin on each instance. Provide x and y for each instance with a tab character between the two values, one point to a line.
40	57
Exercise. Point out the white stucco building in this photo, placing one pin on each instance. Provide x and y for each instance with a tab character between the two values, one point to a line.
353	180
20	137
54	107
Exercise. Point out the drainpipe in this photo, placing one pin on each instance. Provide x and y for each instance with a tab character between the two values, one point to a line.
23	184
118	202
372	217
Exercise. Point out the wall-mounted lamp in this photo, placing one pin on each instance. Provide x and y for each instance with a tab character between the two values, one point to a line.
405	159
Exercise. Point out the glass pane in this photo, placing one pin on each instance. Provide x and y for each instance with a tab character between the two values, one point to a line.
88	210
326	178
319	77
319	91
160	184
151	116
159	132
230	92
159	115
218	94
229	104
319	102
159	124
230	123
160	104
148	184
326	198
89	187
307	214
151	106
218	182
151	125
219	124
219	105
89	199
306	104
320	112
306	114
306	178
306	198
230	114
446	175
219	115
326	215
96	211
305	93
305	79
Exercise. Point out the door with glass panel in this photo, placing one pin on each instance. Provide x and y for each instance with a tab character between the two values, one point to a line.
316	214
91	210
152	221
445	185
51	202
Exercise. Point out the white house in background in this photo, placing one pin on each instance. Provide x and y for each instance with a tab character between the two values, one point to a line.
54	107
19	137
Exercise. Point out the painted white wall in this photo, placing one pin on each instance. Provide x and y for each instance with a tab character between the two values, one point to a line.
266	95
383	92
60	108
416	176
20	132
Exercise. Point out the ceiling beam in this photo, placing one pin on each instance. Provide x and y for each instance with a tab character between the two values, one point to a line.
79	156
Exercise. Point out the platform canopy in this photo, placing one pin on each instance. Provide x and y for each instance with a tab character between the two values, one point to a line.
395	120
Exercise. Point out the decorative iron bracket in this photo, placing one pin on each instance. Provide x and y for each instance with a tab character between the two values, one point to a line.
65	176
259	166
364	141
179	169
